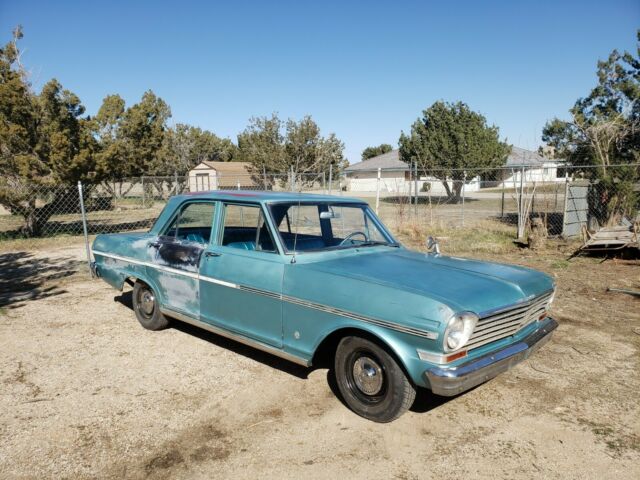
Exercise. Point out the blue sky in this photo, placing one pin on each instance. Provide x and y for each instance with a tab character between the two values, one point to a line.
364	70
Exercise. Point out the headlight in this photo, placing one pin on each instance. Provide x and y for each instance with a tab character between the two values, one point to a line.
459	330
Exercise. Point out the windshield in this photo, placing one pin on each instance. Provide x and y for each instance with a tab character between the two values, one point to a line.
327	226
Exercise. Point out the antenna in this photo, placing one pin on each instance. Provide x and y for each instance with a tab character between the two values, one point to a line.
295	235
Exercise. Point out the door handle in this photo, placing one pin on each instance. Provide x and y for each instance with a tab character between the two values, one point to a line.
212	254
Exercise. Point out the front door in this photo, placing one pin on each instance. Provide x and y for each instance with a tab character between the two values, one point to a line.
241	277
176	256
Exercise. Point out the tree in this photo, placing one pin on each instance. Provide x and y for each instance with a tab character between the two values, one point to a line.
111	159
371	152
262	145
605	130
45	143
451	142
187	146
300	147
142	133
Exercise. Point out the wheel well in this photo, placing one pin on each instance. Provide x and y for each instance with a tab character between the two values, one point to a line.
325	353
131	281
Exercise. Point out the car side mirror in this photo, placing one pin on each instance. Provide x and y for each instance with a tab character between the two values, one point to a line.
432	245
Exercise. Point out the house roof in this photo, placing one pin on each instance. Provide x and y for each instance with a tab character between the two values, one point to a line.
386	161
391	161
520	157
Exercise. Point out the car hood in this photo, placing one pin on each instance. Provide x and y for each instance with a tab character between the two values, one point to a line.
460	283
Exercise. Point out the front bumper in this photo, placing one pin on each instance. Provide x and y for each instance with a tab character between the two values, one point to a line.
450	381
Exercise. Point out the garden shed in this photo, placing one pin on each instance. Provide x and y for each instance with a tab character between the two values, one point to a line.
209	175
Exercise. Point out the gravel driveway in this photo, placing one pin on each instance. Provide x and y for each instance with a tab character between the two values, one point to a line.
86	392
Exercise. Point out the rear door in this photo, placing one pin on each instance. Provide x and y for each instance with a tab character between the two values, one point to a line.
176	255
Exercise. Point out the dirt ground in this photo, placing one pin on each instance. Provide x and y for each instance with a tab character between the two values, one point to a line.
86	392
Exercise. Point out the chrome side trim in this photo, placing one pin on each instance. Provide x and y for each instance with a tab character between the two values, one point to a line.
298	301
374	321
219	282
236	337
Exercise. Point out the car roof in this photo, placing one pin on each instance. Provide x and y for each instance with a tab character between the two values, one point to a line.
267	196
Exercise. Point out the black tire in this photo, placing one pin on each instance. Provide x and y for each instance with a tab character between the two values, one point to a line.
146	306
371	381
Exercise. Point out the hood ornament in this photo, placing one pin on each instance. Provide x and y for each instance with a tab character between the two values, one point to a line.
432	245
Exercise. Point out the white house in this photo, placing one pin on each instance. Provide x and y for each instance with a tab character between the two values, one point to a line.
210	175
533	166
395	175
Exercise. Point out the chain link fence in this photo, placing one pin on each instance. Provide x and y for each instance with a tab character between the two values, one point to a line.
565	201
562	200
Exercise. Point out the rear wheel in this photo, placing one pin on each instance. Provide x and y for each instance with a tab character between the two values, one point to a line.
146	306
371	381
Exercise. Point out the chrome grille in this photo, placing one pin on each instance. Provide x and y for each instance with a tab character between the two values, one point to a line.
506	322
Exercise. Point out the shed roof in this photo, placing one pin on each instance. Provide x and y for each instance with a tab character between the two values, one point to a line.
238	168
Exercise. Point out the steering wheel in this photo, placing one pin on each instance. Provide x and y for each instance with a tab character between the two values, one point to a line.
351	235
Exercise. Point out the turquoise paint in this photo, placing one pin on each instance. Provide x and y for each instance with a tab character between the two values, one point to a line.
390	284
254	315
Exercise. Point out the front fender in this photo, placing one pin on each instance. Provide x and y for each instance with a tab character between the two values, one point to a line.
403	346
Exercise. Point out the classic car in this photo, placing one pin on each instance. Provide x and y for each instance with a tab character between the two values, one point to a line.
301	275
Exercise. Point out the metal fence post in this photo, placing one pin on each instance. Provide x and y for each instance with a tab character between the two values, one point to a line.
464	183
291	179
84	227
378	190
415	190
143	194
264	176
330	177
502	202
238	183
521	205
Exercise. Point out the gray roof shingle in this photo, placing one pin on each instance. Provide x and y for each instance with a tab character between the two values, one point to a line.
391	161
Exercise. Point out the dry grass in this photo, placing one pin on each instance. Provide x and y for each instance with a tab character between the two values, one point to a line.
485	236
37	244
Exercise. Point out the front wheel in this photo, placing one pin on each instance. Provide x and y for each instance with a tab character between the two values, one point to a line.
145	304
370	380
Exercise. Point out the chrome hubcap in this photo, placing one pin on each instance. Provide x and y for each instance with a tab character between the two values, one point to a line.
367	375
147	303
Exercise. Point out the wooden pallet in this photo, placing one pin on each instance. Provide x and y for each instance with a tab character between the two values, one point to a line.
610	238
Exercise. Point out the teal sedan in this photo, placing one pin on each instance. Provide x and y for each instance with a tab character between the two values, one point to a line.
300	276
